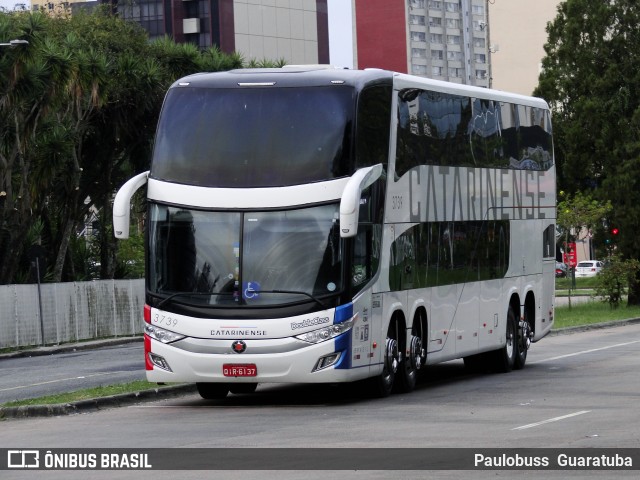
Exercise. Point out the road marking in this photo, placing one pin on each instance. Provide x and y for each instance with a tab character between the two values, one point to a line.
531	425
57	381
583	352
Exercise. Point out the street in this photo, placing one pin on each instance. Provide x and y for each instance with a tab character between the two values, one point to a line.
577	390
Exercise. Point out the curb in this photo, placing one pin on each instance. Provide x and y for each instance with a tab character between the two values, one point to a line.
593	326
96	404
71	347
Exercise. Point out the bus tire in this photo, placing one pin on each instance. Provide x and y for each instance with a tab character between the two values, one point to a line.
382	385
505	357
410	365
522	342
243	388
212	391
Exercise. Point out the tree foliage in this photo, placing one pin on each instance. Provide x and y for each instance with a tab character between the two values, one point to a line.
78	110
614	281
591	79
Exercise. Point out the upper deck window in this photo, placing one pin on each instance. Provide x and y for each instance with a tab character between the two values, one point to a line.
255	137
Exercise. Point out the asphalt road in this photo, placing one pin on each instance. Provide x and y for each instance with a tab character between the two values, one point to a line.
38	375
577	391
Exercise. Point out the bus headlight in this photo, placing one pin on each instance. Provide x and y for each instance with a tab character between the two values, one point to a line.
326	333
160	334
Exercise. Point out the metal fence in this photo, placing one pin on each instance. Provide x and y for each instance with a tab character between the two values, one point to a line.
55	313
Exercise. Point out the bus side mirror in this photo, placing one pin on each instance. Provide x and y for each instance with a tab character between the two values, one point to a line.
350	202
122	202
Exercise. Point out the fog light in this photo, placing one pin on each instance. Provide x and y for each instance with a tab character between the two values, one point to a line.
327	361
159	361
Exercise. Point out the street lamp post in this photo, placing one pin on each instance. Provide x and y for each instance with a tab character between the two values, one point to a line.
14	43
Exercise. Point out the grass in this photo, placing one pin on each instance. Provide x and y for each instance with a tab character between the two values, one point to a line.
592	312
85	394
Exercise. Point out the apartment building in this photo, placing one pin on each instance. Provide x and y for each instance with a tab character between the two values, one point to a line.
441	39
293	30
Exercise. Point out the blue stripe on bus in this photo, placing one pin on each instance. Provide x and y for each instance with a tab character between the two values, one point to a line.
342	342
343	313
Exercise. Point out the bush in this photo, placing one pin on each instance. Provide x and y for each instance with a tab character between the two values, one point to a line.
614	281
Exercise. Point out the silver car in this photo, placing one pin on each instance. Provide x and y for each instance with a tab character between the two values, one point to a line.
589	268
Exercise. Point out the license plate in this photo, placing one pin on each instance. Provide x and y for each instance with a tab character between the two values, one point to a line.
239	370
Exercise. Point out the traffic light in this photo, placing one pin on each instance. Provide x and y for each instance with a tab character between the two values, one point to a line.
615	231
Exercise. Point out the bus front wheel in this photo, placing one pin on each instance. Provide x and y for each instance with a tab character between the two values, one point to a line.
382	385
212	391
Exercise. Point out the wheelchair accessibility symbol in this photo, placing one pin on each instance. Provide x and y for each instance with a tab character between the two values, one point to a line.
250	290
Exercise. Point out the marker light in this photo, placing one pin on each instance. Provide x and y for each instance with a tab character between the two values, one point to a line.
326	333
160	334
159	361
326	361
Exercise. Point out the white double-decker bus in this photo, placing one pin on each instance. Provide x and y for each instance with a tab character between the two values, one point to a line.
328	225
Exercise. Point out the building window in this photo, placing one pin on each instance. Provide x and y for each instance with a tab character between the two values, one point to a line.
419	69
479	26
453	23
456	56
455	72
480	58
435	22
418	53
435	5
417	3
477	9
453	39
418	37
482	74
478	42
452	6
416	19
436	71
435	38
437	55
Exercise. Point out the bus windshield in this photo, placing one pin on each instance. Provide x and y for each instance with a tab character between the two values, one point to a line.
254	137
244	258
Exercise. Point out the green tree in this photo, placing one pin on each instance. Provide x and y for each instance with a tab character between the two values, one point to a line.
575	212
78	111
613	282
591	79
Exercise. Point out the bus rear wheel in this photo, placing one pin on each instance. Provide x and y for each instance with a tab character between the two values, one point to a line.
411	364
523	341
212	391
505	357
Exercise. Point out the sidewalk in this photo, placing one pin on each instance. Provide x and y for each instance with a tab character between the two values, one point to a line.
70	347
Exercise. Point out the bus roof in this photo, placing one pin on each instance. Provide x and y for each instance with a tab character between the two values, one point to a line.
320	75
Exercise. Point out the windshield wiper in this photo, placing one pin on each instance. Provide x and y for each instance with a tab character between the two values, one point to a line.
182	294
294	292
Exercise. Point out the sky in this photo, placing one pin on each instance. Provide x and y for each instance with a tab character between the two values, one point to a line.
9	4
340	31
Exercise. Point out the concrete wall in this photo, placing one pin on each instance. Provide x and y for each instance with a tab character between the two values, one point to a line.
518	28
274	29
70	312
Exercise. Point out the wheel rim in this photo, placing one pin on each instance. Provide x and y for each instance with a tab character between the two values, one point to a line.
416	353
510	340
390	360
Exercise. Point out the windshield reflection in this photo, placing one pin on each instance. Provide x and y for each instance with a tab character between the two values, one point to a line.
283	256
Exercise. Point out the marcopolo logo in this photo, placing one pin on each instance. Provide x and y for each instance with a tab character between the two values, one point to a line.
309	322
